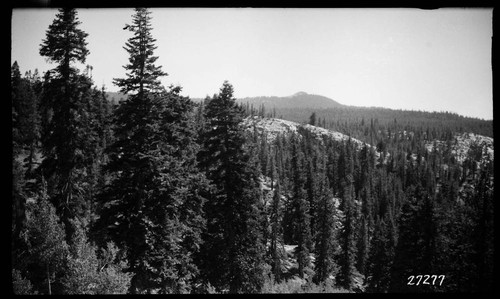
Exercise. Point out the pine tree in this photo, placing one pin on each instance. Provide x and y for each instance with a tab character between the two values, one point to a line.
33	120
152	208
142	73
65	43
331	168
18	196
233	251
378	269
312	119
264	155
362	245
416	241
347	256
328	225
25	121
276	235
67	138
301	216
313	181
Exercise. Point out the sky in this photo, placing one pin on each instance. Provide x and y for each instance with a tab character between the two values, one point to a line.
398	58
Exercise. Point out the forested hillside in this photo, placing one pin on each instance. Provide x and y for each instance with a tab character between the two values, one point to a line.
156	193
359	121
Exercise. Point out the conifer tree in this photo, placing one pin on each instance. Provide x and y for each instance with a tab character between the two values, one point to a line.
484	245
65	43
33	120
26	120
362	245
18	197
328	226
232	250
301	216
312	119
152	208
67	138
142	73
347	256
313	180
276	234
380	258
416	241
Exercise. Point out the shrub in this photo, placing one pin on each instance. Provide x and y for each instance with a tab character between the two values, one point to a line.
21	285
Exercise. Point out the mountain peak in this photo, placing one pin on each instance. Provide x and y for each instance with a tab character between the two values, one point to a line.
300	93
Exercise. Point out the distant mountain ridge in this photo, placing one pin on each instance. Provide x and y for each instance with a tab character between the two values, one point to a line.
300	99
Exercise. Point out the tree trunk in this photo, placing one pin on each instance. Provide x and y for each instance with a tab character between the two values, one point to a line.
48	279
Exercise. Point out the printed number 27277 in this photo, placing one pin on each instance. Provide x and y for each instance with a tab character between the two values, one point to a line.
425	278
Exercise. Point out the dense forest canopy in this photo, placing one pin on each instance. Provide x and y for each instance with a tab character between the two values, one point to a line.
147	191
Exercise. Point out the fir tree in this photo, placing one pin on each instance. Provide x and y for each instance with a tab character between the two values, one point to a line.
416	241
347	256
362	245
276	235
65	43
142	73
378	269
328	225
25	116
18	196
152	207
313	181
312	119
301	216
233	251
67	138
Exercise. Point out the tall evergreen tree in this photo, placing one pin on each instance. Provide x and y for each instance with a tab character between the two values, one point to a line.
65	43
312	119
142	73
313	180
276	248
18	197
414	252
328	225
362	245
347	256
301	216
276	234
152	207
378	268
26	119
233	249
67	137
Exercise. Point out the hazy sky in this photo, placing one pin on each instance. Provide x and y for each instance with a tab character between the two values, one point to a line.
437	60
